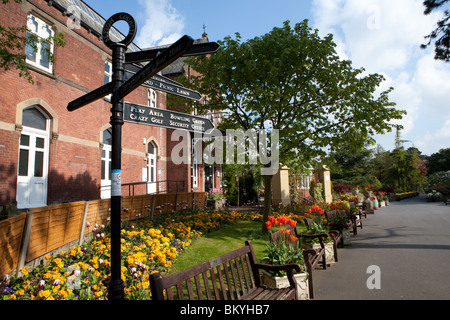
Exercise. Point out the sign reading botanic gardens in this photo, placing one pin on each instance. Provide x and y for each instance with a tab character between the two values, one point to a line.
164	118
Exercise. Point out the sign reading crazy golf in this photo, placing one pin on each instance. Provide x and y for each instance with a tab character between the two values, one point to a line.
164	118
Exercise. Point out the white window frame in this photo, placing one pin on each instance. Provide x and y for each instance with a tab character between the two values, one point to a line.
26	196
105	164
109	75
42	31
152	98
194	164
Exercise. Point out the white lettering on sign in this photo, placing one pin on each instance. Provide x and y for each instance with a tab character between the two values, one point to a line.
138	118
178	118
197	128
155	113
177	124
137	109
156	120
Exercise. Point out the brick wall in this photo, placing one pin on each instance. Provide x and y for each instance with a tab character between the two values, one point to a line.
75	143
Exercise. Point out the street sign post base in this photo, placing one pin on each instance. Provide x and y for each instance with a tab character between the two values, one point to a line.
116	290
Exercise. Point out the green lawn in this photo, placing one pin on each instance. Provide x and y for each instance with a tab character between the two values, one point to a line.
222	241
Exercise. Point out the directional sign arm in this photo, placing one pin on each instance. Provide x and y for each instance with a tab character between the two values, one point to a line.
147	55
90	97
164	59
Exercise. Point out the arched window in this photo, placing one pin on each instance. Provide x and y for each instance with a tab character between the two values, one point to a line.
32	177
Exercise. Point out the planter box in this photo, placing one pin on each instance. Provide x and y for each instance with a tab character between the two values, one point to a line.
283	282
329	252
216	204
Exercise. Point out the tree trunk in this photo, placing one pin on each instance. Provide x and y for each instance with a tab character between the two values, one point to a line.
267	201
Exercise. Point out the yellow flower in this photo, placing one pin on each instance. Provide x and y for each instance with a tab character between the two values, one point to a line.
44	294
24	270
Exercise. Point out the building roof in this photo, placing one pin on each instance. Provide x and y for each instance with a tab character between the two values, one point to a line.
94	22
90	19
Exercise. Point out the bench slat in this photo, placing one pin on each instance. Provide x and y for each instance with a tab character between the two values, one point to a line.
214	282
239	271
199	287
205	281
180	291
189	288
233	275
227	277
222	285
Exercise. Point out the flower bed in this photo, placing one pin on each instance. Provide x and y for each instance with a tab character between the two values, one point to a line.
406	195
83	272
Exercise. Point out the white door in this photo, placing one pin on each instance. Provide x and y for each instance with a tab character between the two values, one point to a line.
105	182
151	168
32	177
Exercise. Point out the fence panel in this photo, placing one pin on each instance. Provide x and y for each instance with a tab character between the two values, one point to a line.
98	213
184	200
164	203
53	227
11	233
199	199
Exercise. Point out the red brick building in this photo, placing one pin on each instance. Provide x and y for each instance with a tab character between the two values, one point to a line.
50	155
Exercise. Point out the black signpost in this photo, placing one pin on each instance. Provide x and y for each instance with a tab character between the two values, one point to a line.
155	83
150	54
165	118
119	88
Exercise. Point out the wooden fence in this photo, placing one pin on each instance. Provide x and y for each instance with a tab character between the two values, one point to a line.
29	236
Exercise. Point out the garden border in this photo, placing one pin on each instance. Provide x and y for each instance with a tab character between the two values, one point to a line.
28	237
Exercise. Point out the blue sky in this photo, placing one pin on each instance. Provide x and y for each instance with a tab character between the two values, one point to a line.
383	36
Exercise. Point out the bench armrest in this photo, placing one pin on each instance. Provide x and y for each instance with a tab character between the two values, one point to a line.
320	236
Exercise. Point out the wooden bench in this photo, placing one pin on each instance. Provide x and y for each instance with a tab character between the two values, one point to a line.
232	276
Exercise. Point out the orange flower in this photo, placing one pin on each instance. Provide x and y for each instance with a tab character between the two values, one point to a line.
268	225
288	232
283	220
294	238
292	223
272	220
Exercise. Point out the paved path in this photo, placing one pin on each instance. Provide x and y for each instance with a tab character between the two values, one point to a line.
409	241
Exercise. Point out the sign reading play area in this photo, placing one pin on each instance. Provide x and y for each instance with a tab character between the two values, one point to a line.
164	118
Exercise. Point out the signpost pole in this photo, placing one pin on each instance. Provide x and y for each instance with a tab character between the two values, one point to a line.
116	286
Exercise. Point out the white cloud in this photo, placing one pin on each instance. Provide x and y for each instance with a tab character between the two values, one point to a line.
163	24
384	37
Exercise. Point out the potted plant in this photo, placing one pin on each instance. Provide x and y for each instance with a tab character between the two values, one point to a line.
216	198
340	223
319	228
283	248
381	199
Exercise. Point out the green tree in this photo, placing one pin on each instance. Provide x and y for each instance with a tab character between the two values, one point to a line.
441	34
405	173
13	41
292	80
351	164
439	161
